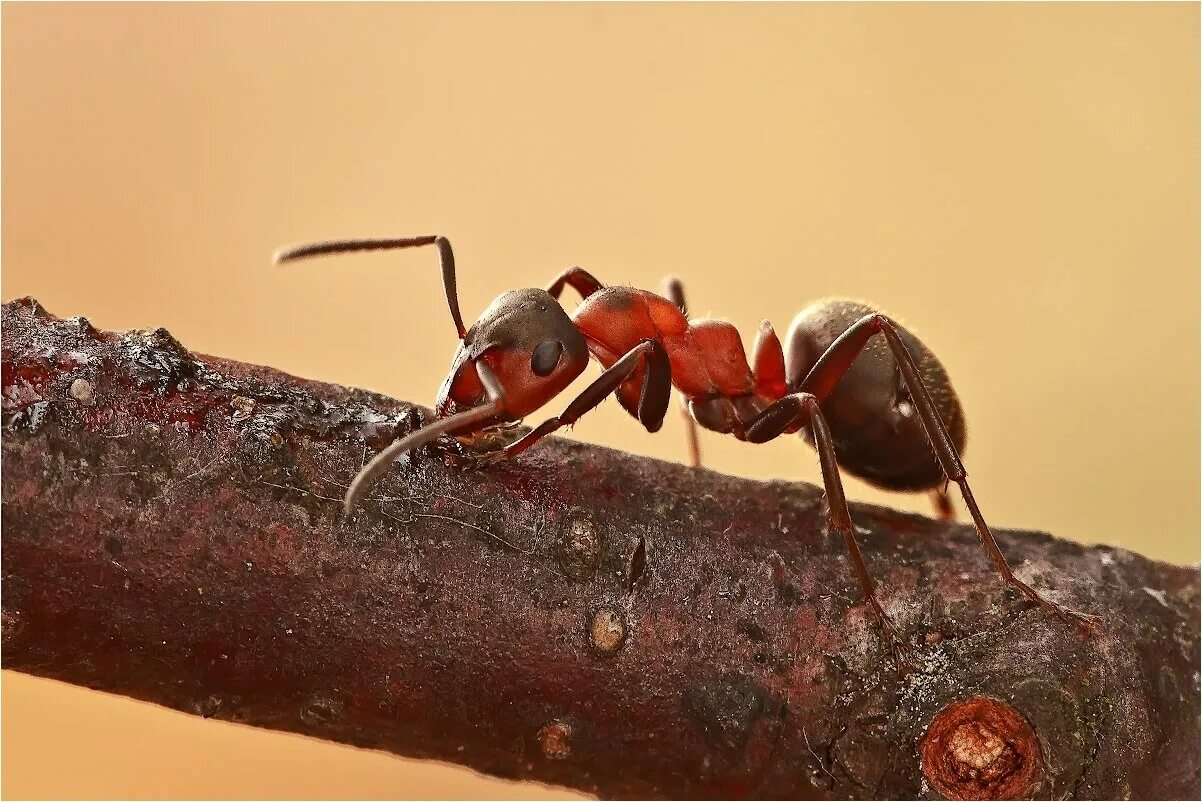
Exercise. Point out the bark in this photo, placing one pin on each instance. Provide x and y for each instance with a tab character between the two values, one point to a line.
631	628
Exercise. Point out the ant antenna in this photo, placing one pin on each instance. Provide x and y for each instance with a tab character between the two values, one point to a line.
445	255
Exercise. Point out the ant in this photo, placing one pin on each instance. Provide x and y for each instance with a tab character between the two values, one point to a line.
883	409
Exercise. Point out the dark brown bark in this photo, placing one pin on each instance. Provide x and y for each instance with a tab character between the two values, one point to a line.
171	531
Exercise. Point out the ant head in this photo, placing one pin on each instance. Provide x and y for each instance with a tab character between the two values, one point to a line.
532	346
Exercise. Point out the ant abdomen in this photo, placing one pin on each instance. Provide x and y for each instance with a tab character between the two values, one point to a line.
877	432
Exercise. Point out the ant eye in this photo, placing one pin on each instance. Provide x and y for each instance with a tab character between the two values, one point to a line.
546	357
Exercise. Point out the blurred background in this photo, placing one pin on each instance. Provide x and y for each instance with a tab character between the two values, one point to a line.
1017	183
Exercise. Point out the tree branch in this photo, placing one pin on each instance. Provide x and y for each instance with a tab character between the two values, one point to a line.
171	532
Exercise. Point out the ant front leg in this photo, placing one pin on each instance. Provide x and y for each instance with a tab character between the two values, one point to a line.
653	400
674	292
834	364
784	416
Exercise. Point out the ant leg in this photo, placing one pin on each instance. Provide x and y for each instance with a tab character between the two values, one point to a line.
784	416
831	367
578	279
943	504
653	401
674	292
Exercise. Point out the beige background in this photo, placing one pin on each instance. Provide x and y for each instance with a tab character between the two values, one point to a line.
1018	183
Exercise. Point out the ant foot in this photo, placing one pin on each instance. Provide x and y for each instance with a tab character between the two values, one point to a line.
487	458
1087	621
452	451
475	460
413	419
416	418
944	510
903	657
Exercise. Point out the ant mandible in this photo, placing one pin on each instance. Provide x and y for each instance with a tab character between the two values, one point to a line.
883	409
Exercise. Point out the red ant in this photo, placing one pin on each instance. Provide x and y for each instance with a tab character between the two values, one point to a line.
882	409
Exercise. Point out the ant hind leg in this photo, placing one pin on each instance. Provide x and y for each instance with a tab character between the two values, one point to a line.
942	503
802	408
836	361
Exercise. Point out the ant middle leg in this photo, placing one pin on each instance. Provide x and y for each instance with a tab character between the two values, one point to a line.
803	409
942	503
674	292
836	362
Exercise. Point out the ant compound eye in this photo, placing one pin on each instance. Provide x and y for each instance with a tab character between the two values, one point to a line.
546	357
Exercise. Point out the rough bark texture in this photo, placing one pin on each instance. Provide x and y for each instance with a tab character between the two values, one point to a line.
171	531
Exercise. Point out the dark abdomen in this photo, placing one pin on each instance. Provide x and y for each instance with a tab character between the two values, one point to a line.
877	432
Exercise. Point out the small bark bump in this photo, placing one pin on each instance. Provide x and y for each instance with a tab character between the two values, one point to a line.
555	738
81	391
580	549
243	407
608	630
